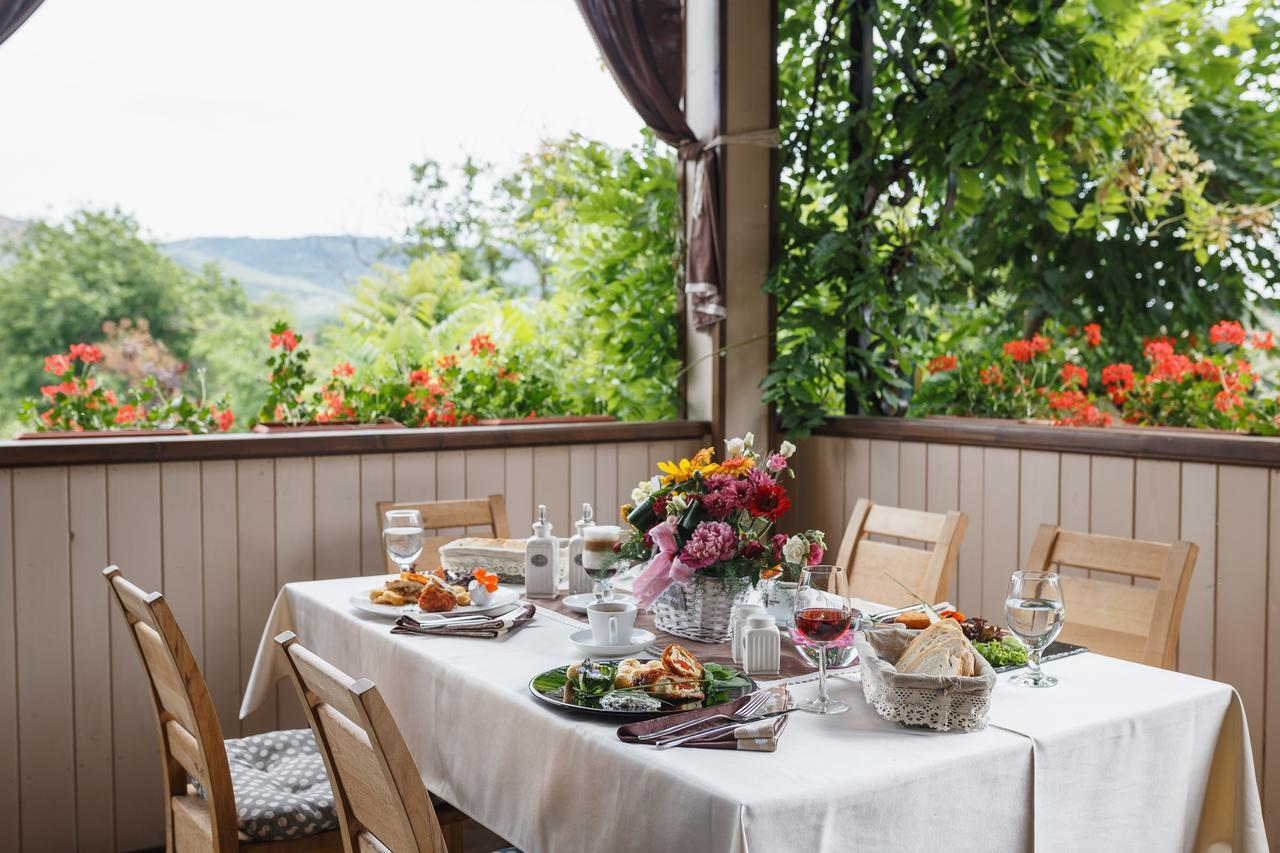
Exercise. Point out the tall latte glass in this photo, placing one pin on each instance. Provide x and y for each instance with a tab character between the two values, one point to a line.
598	559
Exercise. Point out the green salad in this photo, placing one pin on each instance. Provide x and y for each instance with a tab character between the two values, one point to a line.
1005	651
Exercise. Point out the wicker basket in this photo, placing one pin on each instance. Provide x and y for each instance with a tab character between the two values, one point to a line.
701	609
936	702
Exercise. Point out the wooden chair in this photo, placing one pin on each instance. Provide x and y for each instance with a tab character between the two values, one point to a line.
382	801
488	512
1137	623
191	743
868	564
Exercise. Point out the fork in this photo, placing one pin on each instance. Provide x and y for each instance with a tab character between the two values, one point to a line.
753	707
720	729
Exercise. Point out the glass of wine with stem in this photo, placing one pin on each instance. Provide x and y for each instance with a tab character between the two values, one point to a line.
403	537
1034	610
823	617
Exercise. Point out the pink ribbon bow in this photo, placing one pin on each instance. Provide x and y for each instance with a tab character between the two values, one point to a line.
664	569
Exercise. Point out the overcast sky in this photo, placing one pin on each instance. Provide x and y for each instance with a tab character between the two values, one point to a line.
277	118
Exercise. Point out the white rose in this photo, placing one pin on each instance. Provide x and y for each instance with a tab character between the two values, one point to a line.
786	450
796	550
749	440
642	491
735	447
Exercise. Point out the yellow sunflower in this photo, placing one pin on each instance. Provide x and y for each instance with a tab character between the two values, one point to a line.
678	472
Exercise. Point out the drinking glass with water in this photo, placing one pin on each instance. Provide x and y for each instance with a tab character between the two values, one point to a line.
403	537
1034	610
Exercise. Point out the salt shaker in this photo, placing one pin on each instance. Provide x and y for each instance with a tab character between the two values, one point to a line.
738	621
579	580
541	553
761	645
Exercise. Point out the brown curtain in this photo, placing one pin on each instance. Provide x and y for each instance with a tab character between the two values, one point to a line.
13	13
642	42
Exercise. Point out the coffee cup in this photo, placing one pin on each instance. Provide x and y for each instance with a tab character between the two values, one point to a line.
612	622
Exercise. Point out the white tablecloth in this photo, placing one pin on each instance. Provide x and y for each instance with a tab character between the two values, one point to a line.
1118	757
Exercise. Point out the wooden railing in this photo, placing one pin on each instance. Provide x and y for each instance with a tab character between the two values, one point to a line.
219	523
1220	491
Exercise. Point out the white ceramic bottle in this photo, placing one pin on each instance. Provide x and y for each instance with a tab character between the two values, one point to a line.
737	624
579	580
541	553
761	645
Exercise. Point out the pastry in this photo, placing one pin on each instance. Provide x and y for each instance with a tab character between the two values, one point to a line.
437	598
680	661
913	619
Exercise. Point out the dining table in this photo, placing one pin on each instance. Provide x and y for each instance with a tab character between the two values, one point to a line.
1119	756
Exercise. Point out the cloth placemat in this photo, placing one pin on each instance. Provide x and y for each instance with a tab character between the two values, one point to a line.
759	736
489	629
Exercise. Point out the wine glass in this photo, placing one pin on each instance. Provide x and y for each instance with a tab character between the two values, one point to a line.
1034	610
822	617
403	537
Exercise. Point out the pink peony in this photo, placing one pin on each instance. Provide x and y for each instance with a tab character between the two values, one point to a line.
815	554
711	542
777	462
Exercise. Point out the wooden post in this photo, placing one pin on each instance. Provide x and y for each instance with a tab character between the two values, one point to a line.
730	84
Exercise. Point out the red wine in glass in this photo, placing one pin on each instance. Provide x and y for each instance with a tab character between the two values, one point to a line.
822	624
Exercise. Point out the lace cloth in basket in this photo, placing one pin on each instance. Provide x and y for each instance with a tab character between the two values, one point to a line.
936	702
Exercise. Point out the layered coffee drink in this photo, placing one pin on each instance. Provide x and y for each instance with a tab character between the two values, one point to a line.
597	550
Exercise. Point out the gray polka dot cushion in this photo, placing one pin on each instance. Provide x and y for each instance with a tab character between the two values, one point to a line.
282	789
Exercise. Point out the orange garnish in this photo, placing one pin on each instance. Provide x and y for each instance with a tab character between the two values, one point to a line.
488	580
771	573
415	577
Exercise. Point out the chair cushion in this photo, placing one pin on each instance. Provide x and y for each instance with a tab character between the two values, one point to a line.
281	786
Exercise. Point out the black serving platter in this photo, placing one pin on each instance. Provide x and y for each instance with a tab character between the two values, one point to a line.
555	698
1054	651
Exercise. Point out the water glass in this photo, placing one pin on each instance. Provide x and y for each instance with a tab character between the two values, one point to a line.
1034	610
403	537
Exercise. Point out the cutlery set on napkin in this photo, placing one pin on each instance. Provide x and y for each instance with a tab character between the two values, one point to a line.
753	722
487	626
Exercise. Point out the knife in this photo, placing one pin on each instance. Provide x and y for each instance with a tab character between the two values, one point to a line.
719	730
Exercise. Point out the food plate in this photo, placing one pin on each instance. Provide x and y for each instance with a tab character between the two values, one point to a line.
640	640
1053	651
579	601
548	687
497	600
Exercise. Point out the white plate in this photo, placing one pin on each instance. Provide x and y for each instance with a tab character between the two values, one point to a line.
640	640
578	603
497	600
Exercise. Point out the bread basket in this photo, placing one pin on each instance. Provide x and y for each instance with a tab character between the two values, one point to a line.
937	702
503	557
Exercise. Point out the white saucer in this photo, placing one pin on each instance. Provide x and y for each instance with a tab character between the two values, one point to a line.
578	603
640	640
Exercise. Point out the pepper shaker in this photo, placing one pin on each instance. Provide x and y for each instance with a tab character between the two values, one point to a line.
738	623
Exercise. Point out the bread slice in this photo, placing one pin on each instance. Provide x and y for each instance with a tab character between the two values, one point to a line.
940	649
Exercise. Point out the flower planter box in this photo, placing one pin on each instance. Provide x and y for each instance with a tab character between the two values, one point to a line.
100	433
565	419
332	426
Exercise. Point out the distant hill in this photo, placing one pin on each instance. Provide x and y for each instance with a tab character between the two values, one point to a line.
314	274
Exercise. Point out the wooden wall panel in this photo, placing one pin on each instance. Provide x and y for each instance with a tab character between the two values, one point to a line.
451	483
1199	524
91	610
825	465
913	488
414	475
999	529
337	516
295	556
377	483
1157	503
1239	657
551	488
608	496
969	581
1074	494
486	471
885	472
582	483
857	485
633	466
256	557
133	530
521	510
10	807
43	627
943	472
183	567
221	591
1270	769
1037	499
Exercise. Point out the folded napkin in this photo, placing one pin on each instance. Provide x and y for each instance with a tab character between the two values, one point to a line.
754	736
488	629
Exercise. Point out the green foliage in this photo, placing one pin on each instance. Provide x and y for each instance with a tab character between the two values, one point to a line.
289	379
1047	156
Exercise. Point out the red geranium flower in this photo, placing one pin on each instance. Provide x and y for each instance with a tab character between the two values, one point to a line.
943	363
57	364
1263	341
480	343
1073	375
286	339
992	375
343	369
1227	332
1093	334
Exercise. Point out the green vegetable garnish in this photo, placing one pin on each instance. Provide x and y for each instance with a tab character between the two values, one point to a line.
1000	653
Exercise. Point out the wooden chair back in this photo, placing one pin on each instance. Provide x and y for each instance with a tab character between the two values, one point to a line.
867	565
381	799
190	734
488	512
1137	623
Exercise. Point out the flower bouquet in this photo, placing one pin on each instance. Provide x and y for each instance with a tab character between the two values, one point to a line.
706	529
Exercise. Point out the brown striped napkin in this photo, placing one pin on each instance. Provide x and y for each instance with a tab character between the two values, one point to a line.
758	736
486	630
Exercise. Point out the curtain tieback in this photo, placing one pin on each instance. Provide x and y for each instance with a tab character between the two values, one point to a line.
694	150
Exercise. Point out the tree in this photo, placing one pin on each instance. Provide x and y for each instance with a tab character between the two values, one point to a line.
1100	160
